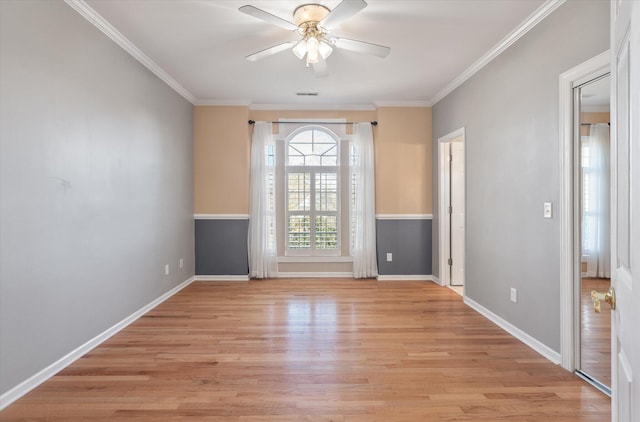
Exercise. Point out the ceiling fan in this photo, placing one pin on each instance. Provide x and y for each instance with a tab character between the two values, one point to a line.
314	23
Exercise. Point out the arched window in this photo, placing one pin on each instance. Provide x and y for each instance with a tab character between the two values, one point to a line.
312	189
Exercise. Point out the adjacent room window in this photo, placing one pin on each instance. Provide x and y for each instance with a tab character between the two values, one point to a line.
312	192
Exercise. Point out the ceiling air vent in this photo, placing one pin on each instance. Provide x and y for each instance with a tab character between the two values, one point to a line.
307	94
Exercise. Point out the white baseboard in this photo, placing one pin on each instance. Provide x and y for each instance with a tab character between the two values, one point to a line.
535	344
288	274
407	277
436	280
222	277
32	382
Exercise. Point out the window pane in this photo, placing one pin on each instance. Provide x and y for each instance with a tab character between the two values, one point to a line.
271	156
298	191
326	232
299	232
312	148
326	192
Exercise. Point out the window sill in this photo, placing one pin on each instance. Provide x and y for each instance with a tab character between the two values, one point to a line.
315	259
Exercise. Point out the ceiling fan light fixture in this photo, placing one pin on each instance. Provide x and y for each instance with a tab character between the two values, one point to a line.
325	49
300	49
313	47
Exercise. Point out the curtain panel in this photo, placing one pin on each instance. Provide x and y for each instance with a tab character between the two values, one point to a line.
363	246
262	242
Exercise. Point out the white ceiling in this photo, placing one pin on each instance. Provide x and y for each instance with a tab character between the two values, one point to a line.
201	44
596	96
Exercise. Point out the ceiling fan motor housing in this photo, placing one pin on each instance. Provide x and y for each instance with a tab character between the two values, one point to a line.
308	13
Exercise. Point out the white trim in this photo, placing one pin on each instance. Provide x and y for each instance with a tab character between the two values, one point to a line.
227	103
436	280
101	23
313	259
406	277
443	182
288	274
404	216
35	380
403	103
565	210
533	343
529	23
222	277
454	288
313	107
221	216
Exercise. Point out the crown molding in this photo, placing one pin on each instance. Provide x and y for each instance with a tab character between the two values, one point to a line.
527	25
221	103
313	107
101	23
403	103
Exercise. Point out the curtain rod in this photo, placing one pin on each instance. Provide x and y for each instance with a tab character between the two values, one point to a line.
374	123
589	124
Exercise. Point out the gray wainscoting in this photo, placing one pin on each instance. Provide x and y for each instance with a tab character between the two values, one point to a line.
221	247
409	240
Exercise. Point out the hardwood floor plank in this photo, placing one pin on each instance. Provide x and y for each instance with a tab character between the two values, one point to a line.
337	350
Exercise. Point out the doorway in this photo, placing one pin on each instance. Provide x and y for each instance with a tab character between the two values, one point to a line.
451	188
592	222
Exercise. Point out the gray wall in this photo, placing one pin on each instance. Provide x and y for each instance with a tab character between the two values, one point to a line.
221	247
410	243
96	185
510	112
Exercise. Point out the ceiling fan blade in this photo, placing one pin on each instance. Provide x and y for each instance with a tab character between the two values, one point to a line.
320	69
270	51
362	47
268	17
342	12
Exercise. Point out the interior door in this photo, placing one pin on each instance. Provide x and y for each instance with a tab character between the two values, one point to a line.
457	213
625	341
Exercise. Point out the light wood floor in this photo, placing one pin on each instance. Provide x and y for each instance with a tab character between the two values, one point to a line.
595	334
319	350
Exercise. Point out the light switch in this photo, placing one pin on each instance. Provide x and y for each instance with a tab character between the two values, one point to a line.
547	210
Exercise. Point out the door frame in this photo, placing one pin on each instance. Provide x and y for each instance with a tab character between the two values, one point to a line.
443	192
569	266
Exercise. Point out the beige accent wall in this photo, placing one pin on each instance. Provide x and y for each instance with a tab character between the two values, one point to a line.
403	161
402	148
221	160
593	117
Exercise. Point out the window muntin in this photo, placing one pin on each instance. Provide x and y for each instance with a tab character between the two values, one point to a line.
312	147
312	178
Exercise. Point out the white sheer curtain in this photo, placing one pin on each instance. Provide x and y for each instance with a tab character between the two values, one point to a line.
262	217
595	202
363	247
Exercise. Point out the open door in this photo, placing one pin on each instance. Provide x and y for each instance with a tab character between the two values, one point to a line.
625	213
451	209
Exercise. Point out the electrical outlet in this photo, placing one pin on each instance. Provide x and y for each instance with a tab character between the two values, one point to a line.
548	213
389	257
181	262
514	295
166	269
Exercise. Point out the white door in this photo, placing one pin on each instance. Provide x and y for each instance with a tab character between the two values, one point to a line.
625	131
457	213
